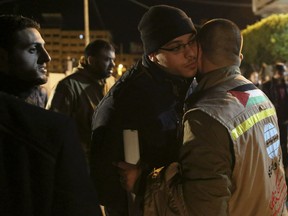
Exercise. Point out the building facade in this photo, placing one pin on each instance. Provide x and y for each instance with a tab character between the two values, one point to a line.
67	46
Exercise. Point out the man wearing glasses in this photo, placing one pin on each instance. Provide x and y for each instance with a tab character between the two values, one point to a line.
148	98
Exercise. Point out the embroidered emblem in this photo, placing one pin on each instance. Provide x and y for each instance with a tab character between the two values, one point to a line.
241	96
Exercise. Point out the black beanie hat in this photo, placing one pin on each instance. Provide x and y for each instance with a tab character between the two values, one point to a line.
161	24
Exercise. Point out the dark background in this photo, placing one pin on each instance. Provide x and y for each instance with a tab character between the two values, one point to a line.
122	16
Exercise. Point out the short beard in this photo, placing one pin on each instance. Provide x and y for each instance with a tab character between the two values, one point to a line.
39	81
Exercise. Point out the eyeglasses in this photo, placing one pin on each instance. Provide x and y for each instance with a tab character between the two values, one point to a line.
179	48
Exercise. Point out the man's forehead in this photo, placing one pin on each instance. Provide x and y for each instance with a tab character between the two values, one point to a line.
28	36
107	53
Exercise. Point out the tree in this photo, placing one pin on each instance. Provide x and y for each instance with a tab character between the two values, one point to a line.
266	41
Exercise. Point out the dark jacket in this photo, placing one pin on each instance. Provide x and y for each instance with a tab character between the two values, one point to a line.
42	166
146	99
32	94
77	96
276	91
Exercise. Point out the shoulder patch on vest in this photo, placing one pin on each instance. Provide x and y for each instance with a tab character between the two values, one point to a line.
241	96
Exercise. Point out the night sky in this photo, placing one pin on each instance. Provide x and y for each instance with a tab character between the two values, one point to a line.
122	16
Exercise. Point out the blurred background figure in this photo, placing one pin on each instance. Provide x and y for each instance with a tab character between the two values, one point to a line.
255	78
78	94
276	90
286	80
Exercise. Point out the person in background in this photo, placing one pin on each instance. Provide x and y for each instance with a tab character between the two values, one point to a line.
276	91
231	160
78	94
23	59
148	99
42	166
286	79
253	76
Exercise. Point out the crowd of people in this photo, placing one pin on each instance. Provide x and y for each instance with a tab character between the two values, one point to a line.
211	141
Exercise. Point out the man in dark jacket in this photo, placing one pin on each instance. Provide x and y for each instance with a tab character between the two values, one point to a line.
23	59
42	166
148	98
78	94
276	91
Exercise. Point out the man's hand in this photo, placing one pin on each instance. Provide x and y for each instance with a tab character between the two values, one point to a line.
129	173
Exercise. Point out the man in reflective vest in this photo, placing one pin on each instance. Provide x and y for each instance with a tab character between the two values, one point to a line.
231	160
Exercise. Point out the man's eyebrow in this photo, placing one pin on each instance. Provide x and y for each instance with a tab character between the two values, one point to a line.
174	42
38	43
193	37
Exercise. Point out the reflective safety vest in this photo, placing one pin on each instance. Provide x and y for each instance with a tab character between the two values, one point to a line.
258	178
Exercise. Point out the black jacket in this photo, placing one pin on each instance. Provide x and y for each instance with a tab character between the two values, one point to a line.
77	96
42	166
276	91
29	92
149	100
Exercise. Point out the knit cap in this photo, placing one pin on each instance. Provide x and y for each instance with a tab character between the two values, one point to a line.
161	24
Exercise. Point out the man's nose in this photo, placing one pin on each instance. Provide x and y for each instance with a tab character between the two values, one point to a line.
44	56
190	50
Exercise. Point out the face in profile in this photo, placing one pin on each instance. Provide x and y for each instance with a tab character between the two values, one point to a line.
28	58
103	64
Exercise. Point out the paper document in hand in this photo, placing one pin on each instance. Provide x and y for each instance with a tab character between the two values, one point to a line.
131	146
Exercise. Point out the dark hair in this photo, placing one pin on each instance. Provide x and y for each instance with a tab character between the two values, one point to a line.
220	38
94	48
11	24
280	67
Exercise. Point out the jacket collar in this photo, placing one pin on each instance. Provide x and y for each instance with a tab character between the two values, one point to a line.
15	86
89	75
207	81
213	78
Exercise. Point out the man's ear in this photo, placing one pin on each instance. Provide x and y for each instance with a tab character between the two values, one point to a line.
4	61
90	60
241	56
153	57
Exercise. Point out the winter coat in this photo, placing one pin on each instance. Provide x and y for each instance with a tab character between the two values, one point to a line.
145	99
42	166
32	94
77	96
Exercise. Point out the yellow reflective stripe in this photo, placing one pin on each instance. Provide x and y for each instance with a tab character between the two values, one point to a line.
248	123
